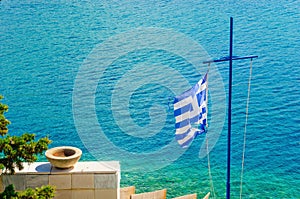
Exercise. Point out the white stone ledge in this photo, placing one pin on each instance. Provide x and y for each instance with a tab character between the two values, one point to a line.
108	167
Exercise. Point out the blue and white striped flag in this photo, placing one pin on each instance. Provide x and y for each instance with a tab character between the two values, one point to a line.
191	108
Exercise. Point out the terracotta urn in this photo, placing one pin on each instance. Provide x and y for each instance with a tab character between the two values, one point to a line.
63	157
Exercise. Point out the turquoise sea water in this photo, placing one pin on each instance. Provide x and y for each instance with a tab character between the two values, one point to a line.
47	46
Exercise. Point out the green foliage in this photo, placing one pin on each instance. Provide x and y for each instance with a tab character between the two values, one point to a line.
9	192
17	149
3	121
45	192
14	150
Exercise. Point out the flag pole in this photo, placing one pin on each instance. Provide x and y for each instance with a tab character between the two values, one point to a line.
229	58
229	110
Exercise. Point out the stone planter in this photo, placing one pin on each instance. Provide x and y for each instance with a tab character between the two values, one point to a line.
63	157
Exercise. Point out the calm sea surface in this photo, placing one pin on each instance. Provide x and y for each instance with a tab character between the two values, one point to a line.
99	75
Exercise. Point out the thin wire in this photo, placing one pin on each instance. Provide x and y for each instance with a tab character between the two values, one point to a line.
245	131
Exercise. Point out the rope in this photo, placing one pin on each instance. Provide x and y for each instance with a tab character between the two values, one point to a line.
208	67
212	189
245	131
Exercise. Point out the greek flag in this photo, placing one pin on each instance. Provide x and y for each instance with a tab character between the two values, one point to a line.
190	108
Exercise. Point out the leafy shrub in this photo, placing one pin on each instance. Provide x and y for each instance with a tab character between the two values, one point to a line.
45	192
14	150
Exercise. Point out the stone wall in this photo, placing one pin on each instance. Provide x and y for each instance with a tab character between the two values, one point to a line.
86	180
